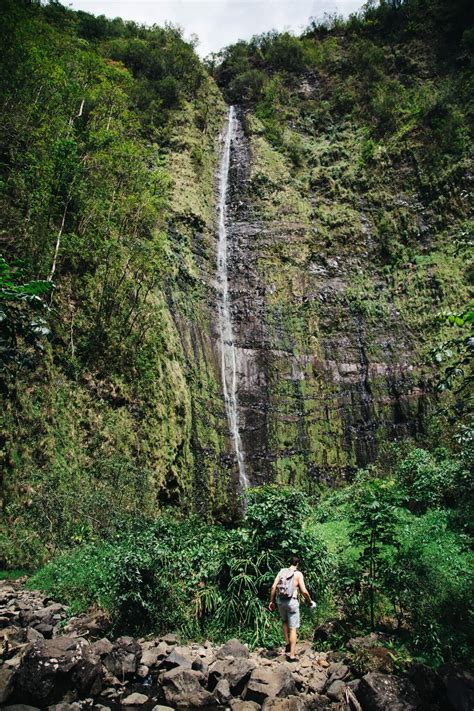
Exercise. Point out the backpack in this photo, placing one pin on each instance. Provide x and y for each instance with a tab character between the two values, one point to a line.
286	584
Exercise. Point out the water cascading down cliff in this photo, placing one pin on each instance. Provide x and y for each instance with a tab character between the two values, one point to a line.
227	344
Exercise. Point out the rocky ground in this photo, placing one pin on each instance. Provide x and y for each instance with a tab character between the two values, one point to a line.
56	662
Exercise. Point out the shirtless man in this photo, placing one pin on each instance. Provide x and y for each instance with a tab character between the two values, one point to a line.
289	609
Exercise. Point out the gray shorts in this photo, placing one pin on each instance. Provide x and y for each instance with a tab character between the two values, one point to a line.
290	612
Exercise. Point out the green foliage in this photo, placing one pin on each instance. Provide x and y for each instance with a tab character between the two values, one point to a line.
213	581
22	318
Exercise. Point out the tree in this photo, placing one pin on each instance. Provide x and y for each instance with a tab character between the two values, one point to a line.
373	516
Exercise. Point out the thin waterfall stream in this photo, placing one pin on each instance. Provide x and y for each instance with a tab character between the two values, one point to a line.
228	350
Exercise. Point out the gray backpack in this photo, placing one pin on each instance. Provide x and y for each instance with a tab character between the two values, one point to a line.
286	584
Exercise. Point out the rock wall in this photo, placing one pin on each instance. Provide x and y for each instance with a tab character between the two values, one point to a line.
331	356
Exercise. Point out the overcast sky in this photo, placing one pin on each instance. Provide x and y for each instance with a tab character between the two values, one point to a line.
218	23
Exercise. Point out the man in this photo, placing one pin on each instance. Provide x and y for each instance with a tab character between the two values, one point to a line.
288	583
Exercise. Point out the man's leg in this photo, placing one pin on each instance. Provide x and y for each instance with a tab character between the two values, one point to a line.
285	632
292	641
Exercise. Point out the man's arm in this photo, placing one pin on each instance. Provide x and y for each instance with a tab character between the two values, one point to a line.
303	589
271	605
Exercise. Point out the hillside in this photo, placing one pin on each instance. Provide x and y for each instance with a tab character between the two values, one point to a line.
236	327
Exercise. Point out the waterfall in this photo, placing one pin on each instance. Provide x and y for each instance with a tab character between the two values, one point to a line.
228	350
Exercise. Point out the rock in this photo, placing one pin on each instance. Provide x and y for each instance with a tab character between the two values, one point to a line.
102	647
33	635
20	707
150	657
183	690
93	624
429	685
269	683
244	706
135	699
327	630
335	690
170	639
6	683
123	660
60	669
236	671
379	692
459	685
222	692
233	648
45	630
337	671
175	659
291	703
161	708
143	671
316	681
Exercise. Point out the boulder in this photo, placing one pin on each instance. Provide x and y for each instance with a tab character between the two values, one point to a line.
233	648
222	692
316	681
270	683
151	656
20	707
182	689
60	669
237	705
135	699
93	624
123	660
236	671
175	659
6	683
335	690
429	686
379	692
102	647
459	685
337	671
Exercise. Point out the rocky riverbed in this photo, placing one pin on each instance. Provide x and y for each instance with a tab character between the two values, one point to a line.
50	660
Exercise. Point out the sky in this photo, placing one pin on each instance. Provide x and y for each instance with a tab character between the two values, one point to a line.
218	23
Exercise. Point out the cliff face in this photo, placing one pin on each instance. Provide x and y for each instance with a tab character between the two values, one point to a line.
343	245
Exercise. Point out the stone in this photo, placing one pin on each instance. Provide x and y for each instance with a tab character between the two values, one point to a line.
20	707
337	671
201	666
316	681
233	648
102	647
222	692
379	692
182	689
428	684
170	639
33	635
123	660
93	624
356	643
175	659
269	683
236	671
459	685
335	690
150	657
244	706
291	703
159	707
56	670
143	671
135	699
6	683
45	630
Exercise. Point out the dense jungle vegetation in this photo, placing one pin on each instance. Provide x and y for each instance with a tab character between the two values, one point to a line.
115	476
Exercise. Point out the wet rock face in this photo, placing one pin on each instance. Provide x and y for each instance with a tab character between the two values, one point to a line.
320	377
